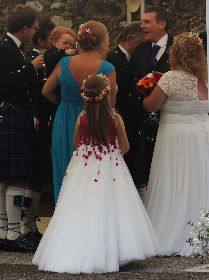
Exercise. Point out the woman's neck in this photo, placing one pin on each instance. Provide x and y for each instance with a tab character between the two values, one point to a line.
91	53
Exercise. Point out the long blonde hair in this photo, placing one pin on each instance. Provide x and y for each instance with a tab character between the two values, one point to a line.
188	54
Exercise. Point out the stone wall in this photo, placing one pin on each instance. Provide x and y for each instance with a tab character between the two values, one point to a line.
185	14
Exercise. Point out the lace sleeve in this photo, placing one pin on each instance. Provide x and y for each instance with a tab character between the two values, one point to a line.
164	82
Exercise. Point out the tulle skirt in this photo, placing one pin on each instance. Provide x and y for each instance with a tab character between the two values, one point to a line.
99	223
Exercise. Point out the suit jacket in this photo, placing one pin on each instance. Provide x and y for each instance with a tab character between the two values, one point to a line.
18	78
144	134
120	62
52	57
125	102
141	63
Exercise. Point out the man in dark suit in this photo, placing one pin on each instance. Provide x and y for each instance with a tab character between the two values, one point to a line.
29	228
19	124
152	55
130	37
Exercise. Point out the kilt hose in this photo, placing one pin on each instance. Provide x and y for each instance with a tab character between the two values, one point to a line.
21	149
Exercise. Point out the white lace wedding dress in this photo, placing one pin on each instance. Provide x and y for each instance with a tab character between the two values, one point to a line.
179	178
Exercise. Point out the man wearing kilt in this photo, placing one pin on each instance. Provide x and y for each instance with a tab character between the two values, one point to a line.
21	168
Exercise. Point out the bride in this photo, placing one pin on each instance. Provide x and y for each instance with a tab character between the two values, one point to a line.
179	178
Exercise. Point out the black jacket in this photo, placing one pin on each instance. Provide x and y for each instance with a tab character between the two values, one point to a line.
120	62
141	63
18	78
143	134
52	57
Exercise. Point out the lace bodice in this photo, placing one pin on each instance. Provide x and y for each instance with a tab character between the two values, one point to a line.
179	85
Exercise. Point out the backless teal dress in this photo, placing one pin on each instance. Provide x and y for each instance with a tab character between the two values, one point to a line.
65	119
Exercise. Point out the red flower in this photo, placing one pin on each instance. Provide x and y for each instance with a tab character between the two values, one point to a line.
149	81
100	148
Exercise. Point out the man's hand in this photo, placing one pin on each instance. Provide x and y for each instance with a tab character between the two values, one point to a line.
38	62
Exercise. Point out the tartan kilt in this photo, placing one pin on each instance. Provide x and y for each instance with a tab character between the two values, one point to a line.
15	144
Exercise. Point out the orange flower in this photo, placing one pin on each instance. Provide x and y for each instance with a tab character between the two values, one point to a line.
149	81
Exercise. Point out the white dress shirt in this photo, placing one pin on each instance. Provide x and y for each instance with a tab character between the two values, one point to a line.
128	57
162	43
17	41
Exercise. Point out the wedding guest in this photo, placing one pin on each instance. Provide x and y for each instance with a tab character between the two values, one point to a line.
19	96
40	138
41	37
62	42
99	222
130	37
93	43
179	179
148	56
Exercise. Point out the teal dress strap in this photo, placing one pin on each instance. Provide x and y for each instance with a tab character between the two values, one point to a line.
106	68
63	62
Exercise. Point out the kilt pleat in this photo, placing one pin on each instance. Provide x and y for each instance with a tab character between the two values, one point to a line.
15	144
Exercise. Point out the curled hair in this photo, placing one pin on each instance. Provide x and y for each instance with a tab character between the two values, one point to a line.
98	114
188	55
57	32
20	16
91	35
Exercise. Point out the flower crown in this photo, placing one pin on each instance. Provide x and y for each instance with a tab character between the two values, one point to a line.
92	97
195	37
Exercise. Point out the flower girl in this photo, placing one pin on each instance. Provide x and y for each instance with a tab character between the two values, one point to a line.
100	222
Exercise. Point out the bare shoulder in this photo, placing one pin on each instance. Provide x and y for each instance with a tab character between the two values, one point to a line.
79	117
117	119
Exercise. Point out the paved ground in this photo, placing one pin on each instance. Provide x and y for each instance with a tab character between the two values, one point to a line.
18	266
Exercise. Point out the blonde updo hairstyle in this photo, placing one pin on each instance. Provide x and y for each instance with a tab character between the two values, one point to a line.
91	35
188	55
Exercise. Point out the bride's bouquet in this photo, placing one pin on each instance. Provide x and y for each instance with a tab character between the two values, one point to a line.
148	82
199	237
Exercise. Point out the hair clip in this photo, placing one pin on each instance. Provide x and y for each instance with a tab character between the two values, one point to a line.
85	30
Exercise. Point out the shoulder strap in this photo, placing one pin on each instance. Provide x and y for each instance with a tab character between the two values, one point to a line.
106	68
64	62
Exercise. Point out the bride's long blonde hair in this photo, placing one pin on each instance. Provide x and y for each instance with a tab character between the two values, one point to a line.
188	54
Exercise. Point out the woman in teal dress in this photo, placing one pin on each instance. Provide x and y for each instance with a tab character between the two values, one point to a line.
69	73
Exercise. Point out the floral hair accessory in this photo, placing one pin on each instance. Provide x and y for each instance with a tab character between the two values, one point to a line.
148	82
91	96
85	30
195	37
